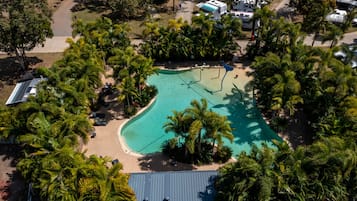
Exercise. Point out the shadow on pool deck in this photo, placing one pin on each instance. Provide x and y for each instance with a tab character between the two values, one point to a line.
160	162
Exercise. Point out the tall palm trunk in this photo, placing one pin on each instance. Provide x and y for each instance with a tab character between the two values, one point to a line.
213	143
314	39
199	142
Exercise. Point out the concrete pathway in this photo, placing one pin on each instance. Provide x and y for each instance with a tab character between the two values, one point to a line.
348	38
62	29
62	19
52	45
185	12
282	4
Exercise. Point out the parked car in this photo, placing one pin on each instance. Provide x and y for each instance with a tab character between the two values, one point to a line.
97	115
100	122
337	16
98	119
354	22
342	55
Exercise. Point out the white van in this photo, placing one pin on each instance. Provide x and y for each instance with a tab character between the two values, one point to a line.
337	16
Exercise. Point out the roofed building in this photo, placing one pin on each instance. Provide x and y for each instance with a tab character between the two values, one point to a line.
174	186
23	90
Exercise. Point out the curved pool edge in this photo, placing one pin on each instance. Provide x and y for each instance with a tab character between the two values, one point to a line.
122	141
127	149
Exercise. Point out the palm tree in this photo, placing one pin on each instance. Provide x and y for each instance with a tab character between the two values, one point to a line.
203	26
127	91
178	124
198	116
100	182
277	84
104	34
250	178
333	33
217	129
6	117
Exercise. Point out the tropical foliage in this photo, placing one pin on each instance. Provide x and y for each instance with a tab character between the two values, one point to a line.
104	34
325	170
290	76
52	126
130	71
24	24
109	42
203	39
64	174
199	134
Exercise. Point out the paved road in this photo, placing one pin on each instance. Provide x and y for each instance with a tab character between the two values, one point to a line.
347	38
62	19
62	28
282	4
185	12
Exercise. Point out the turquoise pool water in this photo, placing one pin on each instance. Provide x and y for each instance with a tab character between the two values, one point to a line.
145	134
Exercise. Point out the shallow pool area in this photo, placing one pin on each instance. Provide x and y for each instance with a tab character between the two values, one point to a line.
144	134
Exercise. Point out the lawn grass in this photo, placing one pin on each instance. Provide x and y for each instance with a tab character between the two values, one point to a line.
9	74
47	59
88	15
137	26
40	59
5	92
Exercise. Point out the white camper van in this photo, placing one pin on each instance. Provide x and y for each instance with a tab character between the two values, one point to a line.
222	7
214	8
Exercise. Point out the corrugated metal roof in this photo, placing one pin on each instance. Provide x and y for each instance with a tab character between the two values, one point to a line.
178	186
22	90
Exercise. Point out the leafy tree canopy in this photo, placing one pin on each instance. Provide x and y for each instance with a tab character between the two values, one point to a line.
24	24
326	170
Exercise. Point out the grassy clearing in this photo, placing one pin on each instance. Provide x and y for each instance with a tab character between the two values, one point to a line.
5	92
137	27
87	15
46	59
10	74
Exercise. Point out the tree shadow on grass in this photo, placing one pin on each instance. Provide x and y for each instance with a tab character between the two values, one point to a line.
10	69
160	162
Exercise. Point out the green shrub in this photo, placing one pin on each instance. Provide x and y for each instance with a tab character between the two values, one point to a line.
147	95
130	110
223	155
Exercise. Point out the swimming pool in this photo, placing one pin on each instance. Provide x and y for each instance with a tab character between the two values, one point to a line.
144	134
